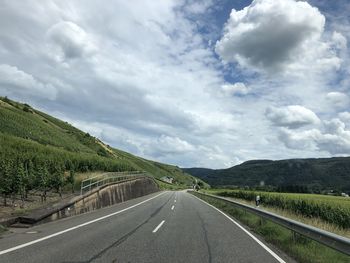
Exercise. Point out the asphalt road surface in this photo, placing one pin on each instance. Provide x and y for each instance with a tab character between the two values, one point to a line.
161	227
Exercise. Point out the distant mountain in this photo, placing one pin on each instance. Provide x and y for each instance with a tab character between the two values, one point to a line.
38	143
292	174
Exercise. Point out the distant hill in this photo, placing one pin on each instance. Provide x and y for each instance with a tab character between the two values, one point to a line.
292	175
33	144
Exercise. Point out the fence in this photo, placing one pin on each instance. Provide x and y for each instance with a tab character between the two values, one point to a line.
107	178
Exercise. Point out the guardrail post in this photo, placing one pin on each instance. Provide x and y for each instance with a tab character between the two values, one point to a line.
262	221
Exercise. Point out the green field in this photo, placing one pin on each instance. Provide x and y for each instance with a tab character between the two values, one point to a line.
331	209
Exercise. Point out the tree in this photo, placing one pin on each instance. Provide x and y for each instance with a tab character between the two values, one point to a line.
31	176
57	178
15	181
5	175
6	99
22	179
43	176
71	180
27	109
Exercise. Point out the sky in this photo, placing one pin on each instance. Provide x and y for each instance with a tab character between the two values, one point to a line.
209	83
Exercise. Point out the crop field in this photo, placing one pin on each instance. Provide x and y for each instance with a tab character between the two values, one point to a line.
331	209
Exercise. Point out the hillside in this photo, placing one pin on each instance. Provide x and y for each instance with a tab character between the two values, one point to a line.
38	151
295	175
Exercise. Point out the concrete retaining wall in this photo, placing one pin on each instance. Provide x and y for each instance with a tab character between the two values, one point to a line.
100	197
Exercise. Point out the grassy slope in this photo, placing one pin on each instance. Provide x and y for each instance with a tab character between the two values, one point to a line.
158	170
325	173
25	125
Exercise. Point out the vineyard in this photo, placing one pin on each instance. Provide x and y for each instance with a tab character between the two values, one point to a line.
21	120
26	165
41	153
332	209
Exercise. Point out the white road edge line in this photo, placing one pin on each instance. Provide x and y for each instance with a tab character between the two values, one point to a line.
159	226
172	208
75	227
246	231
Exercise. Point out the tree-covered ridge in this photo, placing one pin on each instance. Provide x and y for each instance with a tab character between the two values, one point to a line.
294	175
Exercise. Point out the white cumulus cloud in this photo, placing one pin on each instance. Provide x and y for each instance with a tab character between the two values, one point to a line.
338	99
165	145
17	81
70	39
235	89
275	35
294	116
333	138
144	77
344	116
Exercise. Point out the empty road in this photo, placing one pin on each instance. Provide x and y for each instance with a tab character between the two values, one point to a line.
161	227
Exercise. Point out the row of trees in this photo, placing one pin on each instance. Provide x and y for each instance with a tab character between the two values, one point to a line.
20	176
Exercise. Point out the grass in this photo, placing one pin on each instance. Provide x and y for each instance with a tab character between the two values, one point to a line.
2	229
166	186
316	222
300	248
44	129
334	210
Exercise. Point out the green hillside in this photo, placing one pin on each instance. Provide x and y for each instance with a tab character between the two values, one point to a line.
294	175
38	151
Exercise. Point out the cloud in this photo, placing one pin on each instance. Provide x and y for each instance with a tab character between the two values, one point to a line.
299	140
142	77
334	138
70	40
276	35
339	41
16	81
344	116
198	7
338	99
293	117
236	89
165	145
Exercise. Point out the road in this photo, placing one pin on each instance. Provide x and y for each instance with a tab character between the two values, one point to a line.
161	227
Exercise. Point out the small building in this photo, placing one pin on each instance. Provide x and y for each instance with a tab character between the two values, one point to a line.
167	179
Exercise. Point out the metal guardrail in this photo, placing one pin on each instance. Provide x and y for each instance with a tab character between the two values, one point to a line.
107	178
331	240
